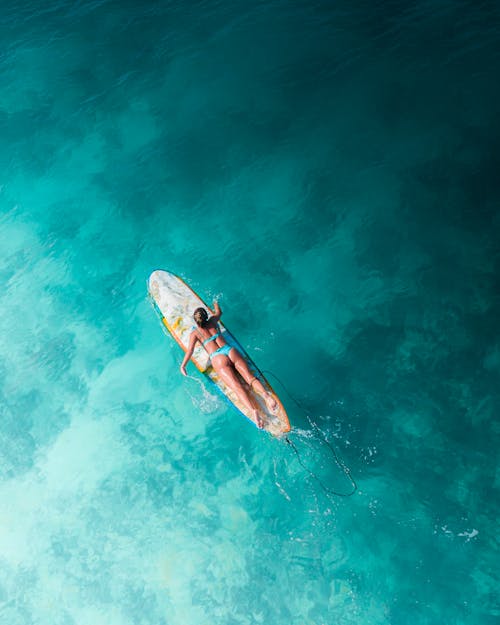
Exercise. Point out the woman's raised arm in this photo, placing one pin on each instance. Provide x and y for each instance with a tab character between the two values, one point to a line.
217	311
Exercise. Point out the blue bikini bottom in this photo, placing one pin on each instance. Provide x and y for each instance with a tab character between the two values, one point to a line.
222	351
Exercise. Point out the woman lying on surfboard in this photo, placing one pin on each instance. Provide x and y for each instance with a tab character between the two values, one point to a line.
226	360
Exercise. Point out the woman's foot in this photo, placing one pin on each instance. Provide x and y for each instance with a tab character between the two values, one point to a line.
258	419
271	403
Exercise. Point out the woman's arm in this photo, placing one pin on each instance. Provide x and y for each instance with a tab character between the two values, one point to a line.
218	312
192	342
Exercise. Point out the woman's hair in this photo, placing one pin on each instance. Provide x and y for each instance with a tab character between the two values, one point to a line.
200	315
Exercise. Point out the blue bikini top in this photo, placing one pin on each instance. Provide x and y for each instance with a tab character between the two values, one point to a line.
211	338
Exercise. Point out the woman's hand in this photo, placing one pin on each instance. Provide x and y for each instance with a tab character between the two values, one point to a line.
217	310
183	370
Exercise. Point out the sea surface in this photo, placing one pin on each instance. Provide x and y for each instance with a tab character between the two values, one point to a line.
330	172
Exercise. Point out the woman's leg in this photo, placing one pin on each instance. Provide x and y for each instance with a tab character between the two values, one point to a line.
242	368
228	374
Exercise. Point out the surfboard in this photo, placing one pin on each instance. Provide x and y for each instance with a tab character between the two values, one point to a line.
174	302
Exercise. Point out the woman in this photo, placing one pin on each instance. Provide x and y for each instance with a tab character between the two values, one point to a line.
226	360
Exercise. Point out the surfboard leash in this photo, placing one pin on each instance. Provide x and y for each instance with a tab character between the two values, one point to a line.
321	436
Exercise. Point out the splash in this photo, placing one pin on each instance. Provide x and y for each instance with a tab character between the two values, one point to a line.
207	402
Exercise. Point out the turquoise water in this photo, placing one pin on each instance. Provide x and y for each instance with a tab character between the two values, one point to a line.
329	170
